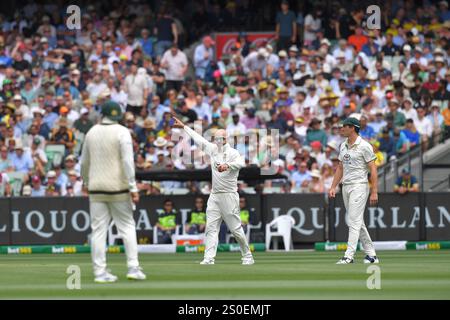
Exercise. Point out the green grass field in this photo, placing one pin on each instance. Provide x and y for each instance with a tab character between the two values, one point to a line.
294	275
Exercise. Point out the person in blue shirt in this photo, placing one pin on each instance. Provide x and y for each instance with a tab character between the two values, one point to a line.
387	143
37	189
301	177
49	118
406	183
366	132
444	14
67	86
4	59
146	43
286	27
411	133
21	160
371	48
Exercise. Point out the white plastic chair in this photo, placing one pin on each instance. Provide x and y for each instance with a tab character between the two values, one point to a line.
284	225
16	180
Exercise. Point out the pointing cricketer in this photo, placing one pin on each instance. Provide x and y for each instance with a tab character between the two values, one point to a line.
356	159
223	202
107	167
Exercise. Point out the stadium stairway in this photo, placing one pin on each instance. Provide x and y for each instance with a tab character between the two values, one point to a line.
431	168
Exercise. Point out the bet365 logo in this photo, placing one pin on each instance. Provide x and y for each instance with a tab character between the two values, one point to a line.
373	17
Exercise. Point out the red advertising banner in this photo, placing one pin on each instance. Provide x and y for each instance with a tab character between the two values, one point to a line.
224	41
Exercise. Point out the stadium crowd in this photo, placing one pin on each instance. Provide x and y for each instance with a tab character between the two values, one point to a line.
323	65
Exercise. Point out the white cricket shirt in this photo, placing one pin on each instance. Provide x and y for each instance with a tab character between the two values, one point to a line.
221	181
355	161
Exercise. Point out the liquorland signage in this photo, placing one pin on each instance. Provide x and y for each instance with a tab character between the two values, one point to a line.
413	217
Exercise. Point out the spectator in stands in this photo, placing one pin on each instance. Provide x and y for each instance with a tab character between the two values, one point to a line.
316	185
83	123
136	87
446	115
437	121
411	134
175	64
406	183
315	133
408	110
6	164
386	143
401	142
381	159
203	59
399	118
366	131
21	159
286	27
196	220
38	190
74	186
168	219
63	135
51	187
165	31
423	126
301	177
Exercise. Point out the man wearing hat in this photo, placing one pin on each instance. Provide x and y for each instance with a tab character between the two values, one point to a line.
19	105
107	168
21	160
399	118
63	135
83	124
357	159
406	183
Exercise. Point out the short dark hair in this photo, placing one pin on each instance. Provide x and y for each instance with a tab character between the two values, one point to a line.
167	201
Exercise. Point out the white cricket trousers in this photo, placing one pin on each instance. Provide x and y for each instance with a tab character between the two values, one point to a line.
122	214
355	199
224	206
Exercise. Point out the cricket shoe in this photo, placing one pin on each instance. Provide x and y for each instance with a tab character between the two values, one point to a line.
105	277
136	273
248	261
371	259
345	260
207	261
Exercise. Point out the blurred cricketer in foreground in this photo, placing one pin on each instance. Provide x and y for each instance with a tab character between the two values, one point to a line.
356	158
107	168
223	202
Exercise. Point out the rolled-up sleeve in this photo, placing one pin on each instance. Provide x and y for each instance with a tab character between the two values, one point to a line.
126	151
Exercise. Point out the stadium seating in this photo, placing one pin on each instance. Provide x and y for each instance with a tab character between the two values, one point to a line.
16	180
55	154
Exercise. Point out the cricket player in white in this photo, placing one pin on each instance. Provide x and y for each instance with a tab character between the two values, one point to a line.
356	160
107	167
223	202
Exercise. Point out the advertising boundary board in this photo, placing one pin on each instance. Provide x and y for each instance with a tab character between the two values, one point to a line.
413	218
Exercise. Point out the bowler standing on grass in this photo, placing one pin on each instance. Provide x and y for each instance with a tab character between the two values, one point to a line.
107	167
223	203
356	160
